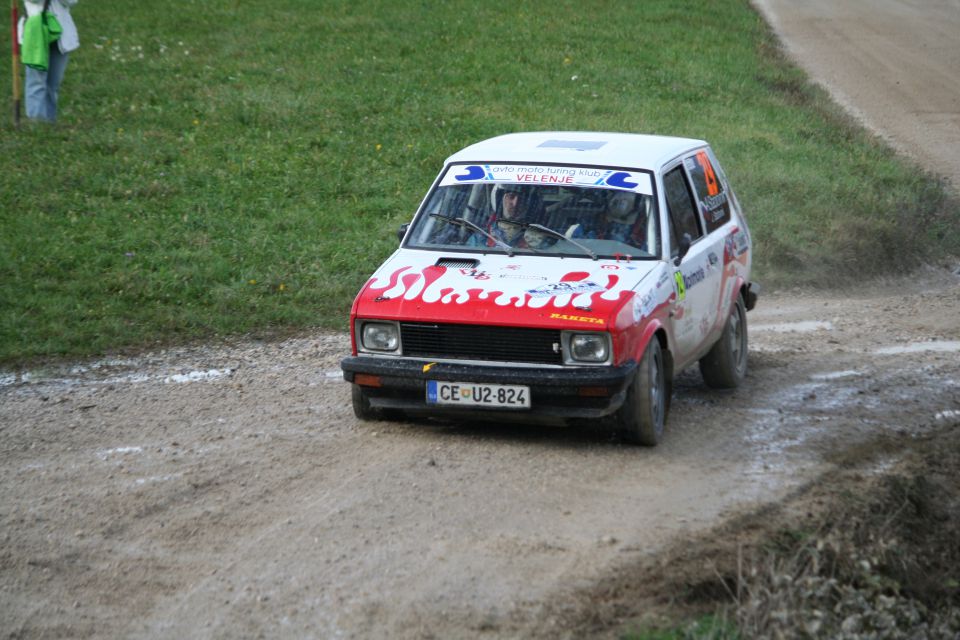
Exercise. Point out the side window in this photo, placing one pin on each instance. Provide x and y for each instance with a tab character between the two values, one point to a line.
683	214
712	198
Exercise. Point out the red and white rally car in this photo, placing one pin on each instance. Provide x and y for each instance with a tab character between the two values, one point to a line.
557	277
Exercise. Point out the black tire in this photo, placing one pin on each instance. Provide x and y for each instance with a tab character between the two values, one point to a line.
641	418
363	410
361	405
725	366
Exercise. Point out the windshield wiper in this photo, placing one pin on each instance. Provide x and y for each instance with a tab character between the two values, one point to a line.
557	234
463	222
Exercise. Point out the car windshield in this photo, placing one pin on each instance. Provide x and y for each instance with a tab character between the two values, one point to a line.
592	212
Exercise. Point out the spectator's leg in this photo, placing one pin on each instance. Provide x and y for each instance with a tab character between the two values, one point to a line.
58	67
35	93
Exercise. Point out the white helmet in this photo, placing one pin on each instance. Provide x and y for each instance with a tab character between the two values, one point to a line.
498	191
621	208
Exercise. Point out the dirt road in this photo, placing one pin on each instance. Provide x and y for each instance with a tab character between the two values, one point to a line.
892	63
228	492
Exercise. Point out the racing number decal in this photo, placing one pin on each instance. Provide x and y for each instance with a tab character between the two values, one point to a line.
681	288
713	187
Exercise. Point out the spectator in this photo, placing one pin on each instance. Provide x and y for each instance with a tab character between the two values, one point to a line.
42	87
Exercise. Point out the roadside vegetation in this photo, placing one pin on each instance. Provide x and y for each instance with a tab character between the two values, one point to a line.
242	167
855	555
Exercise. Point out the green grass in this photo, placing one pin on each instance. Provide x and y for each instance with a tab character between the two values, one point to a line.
708	627
231	167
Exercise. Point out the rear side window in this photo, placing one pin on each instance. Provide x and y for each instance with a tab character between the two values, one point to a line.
712	199
683	213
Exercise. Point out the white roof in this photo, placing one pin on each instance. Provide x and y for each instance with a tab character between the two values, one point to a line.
579	147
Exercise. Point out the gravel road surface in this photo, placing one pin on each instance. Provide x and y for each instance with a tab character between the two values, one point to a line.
892	63
229	491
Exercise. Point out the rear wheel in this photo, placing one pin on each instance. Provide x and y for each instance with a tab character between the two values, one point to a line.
641	418
725	366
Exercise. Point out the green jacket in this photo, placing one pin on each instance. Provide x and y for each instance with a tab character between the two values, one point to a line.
38	32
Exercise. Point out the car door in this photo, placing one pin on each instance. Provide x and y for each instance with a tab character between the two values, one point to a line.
713	198
698	275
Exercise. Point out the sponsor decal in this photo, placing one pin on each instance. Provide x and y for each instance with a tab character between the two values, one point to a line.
621	179
544	178
562	288
735	245
694	278
563	316
713	200
521	276
637	181
713	186
663	279
713	203
740	242
473	173
475	273
642	306
681	287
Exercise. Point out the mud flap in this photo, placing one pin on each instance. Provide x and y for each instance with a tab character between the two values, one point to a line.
750	295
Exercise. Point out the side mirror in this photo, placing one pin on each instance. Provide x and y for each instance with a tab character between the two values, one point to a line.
402	231
683	247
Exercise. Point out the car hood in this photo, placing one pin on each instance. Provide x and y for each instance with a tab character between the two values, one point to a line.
497	289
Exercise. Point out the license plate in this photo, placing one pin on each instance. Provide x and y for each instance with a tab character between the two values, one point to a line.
474	394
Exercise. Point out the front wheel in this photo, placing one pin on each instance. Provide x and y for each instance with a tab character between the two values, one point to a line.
641	418
725	365
363	410
361	405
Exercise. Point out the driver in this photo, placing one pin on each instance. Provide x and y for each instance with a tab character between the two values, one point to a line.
512	203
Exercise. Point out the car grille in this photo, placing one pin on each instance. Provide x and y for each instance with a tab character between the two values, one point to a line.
472	342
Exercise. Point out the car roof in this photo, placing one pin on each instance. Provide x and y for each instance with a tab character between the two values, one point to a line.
579	147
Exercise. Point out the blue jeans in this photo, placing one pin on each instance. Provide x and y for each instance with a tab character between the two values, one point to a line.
43	87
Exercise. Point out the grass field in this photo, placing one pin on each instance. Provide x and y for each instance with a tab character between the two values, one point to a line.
227	167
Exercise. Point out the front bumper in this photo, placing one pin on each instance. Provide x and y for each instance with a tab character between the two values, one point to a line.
555	393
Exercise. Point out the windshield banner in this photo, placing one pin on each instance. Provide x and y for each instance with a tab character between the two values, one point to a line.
548	175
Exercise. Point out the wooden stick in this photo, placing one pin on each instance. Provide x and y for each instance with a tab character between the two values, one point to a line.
15	47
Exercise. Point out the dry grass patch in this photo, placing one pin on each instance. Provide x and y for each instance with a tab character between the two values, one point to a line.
858	553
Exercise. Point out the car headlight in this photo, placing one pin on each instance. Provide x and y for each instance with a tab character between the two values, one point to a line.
590	348
379	336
